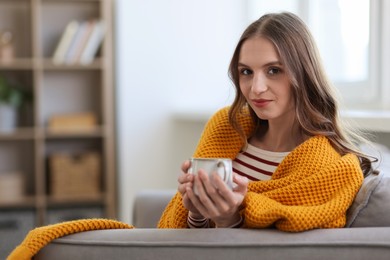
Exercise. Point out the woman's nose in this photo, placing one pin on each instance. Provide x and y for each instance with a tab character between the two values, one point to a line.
259	84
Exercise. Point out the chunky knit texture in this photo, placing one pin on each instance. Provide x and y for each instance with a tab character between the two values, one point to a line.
312	187
40	237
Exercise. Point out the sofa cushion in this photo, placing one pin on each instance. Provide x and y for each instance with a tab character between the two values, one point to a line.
149	206
371	207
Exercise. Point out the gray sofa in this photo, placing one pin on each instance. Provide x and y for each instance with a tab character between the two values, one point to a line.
367	235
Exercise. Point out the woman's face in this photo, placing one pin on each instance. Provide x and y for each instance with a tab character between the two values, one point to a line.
264	81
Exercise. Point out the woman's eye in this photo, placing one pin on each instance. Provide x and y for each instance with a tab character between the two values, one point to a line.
245	72
273	71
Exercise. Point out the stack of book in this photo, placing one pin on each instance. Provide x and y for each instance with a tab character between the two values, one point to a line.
79	42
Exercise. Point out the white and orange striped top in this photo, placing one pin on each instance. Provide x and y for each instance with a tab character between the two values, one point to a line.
257	164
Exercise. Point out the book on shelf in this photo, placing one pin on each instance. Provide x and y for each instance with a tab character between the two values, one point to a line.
75	43
89	25
65	41
79	42
94	41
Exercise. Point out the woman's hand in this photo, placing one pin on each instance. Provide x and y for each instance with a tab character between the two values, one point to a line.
215	200
186	181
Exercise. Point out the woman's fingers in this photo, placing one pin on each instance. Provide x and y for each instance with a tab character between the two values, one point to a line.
185	180
185	177
242	183
214	199
185	166
200	199
209	201
228	200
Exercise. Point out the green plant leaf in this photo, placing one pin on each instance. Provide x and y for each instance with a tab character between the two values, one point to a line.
12	95
15	98
3	89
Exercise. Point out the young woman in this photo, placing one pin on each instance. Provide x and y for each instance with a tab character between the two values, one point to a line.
295	166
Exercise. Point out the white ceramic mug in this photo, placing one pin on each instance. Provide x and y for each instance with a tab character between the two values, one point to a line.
222	166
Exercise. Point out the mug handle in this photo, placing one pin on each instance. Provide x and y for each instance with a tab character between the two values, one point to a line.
225	169
190	169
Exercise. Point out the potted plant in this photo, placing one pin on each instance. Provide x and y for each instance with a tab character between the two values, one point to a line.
11	98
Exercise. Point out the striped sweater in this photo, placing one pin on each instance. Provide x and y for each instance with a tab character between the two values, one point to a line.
311	188
257	164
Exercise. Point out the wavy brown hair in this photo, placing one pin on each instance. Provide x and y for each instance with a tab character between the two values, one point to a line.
315	100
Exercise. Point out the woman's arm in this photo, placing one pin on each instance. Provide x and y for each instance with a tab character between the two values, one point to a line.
319	200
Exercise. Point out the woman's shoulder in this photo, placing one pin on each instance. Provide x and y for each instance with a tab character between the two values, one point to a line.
321	146
221	117
219	121
316	142
219	138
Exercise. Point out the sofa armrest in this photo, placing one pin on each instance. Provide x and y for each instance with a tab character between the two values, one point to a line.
149	206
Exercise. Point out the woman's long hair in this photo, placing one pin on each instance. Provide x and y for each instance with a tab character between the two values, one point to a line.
315	100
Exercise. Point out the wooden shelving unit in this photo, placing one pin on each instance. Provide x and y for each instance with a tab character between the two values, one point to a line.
37	26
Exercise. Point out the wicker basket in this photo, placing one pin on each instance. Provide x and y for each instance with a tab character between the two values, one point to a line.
75	176
12	186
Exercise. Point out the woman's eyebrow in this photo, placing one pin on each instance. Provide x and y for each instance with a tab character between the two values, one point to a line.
265	65
273	63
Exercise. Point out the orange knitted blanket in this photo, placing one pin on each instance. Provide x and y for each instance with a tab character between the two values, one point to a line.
312	187
37	238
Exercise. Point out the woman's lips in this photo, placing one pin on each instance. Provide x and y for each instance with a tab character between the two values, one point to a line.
261	102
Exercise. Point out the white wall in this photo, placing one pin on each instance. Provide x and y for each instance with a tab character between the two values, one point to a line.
171	56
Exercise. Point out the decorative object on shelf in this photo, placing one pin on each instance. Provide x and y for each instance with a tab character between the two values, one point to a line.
79	42
12	186
75	176
73	122
8	118
11	98
6	46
